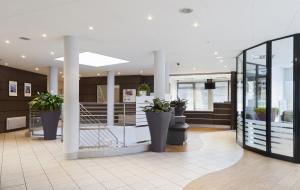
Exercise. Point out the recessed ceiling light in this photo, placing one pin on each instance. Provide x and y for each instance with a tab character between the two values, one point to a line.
7	41
216	53
196	24
141	71
52	52
119	73
221	60
96	60
6	64
149	17
23	56
186	10
60	72
91	28
44	35
194	68
36	69
219	57
98	74
225	66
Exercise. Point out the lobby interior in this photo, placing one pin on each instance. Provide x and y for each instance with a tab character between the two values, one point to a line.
234	64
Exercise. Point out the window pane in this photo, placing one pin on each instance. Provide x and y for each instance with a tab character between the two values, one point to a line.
255	110
240	99
282	97
201	97
221	92
186	91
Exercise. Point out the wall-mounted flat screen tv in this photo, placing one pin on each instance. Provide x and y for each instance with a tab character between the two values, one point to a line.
210	84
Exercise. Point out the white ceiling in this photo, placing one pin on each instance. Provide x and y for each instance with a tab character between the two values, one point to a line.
121	30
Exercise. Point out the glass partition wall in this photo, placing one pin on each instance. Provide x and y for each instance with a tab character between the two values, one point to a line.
268	89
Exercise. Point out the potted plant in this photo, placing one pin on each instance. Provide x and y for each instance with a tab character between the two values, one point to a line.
158	116
143	89
49	107
261	114
179	105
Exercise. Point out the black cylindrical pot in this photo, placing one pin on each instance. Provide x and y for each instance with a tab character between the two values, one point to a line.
179	111
158	125
50	122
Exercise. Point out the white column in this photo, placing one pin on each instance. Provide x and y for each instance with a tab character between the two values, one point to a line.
53	75
210	98
71	97
159	74
110	97
167	80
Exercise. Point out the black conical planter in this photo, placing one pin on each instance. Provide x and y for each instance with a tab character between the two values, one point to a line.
158	125
50	122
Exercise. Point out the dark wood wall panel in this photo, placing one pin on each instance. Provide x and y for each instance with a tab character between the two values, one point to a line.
18	106
88	85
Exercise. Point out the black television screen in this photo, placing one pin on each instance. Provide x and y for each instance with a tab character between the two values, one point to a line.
210	84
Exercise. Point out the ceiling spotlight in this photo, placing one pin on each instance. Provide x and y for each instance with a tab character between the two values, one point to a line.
91	28
194	68
196	24
216	53
36	69
119	73
149	17
7	41
98	74
221	60
219	57
141	71
44	35
23	56
6	64
186	10
60	72
52	52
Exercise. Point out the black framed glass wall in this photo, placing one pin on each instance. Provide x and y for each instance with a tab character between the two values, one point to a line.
267	78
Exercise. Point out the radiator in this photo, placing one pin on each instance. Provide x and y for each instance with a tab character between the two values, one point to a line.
15	122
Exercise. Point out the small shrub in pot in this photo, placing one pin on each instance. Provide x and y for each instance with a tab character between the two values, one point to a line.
158	115
49	107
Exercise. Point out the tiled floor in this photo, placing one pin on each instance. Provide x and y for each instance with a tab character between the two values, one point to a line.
38	164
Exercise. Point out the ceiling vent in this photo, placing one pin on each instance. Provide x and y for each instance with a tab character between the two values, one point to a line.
24	38
186	10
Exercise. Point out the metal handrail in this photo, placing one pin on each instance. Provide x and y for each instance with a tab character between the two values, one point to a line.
86	116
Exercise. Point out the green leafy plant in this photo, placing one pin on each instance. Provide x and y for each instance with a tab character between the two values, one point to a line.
158	105
46	102
264	110
144	87
179	103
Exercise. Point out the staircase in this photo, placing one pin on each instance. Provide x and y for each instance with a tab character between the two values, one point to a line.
220	116
93	131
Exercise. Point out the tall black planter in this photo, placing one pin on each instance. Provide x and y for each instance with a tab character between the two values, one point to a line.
158	124
50	122
179	111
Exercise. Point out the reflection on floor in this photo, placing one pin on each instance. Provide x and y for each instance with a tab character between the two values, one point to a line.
190	147
252	172
37	164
